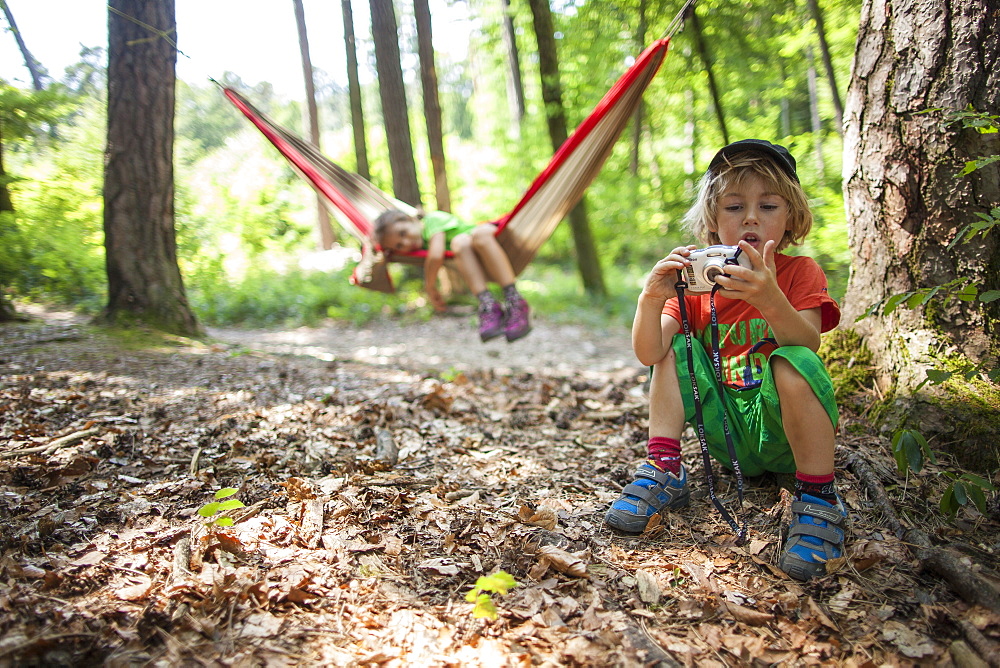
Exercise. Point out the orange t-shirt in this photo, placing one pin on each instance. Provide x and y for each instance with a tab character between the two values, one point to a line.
742	328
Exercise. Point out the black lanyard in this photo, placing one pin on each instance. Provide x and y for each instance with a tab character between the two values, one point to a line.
680	286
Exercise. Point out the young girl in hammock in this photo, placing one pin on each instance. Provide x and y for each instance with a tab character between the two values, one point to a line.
479	256
778	396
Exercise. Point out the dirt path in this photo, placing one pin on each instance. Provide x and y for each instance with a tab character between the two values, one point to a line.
449	342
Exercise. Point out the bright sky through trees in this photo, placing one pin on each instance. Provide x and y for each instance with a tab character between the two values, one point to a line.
254	39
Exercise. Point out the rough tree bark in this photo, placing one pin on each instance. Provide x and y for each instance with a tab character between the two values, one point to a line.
548	63
394	110
432	107
323	226
904	201
354	91
144	281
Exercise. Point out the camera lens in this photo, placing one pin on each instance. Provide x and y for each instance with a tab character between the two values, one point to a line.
712	272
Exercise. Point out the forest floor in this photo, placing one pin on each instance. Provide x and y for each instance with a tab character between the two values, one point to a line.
383	471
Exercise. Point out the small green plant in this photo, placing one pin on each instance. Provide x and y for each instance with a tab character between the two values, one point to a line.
910	449
499	583
964	488
216	512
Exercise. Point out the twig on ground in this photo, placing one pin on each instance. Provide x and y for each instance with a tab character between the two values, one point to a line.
61	442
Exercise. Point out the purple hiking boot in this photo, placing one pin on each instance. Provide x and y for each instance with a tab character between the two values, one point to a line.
491	320
518	323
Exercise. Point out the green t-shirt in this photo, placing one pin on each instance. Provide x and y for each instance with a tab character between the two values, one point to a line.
442	221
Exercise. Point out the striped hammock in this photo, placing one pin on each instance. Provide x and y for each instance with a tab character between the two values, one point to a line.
355	203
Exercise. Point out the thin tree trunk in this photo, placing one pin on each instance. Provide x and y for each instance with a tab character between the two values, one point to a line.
824	48
640	38
354	91
34	68
817	127
713	89
432	106
515	87
548	63
322	215
394	109
144	280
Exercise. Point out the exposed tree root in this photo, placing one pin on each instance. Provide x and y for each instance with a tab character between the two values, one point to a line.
967	584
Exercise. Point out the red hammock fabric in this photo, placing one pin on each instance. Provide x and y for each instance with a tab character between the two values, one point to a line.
522	231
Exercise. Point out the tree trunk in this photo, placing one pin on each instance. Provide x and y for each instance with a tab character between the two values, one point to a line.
34	68
515	87
322	215
904	201
824	49
432	107
706	58
548	64
144	281
640	38
354	91
394	110
816	123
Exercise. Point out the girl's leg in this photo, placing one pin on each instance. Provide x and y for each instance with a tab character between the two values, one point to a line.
491	315
494	258
468	263
491	255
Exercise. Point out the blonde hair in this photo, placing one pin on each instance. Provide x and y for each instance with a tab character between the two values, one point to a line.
386	220
735	172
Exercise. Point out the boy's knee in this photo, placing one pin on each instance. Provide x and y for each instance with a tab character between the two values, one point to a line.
787	377
483	234
461	243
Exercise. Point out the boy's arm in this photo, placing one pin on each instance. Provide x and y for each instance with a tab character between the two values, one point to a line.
432	265
653	332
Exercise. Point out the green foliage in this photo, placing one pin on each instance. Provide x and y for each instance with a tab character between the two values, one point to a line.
499	583
910	448
963	489
217	512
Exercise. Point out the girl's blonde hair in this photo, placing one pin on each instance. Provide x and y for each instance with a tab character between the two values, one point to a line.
735	172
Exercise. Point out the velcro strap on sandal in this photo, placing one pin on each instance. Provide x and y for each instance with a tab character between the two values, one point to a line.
831	515
815	531
643	493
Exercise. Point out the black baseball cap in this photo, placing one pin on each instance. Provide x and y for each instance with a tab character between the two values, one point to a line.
779	154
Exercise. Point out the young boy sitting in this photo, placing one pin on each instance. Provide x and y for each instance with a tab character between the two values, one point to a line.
479	257
777	394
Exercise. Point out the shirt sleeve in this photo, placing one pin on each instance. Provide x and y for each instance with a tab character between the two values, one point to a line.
805	285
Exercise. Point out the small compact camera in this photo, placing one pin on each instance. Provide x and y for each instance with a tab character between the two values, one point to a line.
708	263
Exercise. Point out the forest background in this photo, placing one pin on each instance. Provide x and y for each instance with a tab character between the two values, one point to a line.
247	244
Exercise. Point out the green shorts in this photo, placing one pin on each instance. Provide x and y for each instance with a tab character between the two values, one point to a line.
754	414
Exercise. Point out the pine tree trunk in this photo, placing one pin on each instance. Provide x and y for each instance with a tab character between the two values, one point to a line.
824	48
144	281
432	107
394	110
323	226
354	92
586	253
904	202
34	68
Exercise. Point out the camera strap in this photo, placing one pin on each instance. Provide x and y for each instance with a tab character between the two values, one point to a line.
680	286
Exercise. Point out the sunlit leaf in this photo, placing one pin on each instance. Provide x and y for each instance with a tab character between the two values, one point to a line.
227	491
209	509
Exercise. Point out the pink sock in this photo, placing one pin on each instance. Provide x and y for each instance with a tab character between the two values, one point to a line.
665	453
816	485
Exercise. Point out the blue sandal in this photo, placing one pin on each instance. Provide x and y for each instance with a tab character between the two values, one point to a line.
815	537
653	491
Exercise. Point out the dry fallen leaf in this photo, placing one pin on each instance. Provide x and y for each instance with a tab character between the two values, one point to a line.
542	517
563	561
748	615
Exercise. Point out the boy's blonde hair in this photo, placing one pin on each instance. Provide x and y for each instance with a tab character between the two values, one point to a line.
734	172
386	220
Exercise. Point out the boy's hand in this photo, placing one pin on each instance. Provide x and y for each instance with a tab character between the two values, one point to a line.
661	280
757	285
